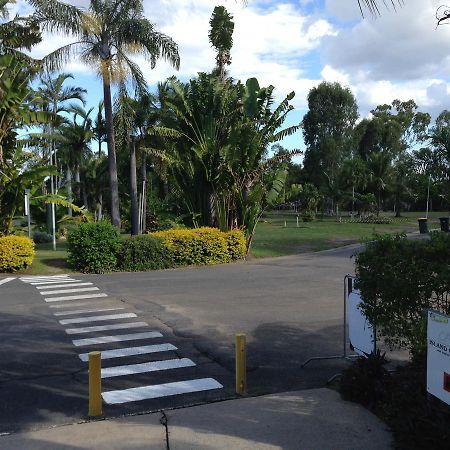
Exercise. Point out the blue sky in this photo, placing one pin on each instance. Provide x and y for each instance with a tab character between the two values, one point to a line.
295	45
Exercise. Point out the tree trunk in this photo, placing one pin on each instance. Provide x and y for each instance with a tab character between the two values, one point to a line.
77	183
100	206
112	164
144	191
133	183
69	189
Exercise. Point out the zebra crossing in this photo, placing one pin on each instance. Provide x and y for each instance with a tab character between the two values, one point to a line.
62	293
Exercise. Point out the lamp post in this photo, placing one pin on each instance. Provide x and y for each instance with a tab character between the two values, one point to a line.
27	210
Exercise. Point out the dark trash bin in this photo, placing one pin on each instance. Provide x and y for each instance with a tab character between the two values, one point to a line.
444	224
423	225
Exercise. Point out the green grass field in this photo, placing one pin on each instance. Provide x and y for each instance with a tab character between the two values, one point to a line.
272	238
47	261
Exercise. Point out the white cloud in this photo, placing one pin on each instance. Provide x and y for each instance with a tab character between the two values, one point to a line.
398	55
270	39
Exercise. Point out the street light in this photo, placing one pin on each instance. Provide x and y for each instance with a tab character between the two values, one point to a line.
27	210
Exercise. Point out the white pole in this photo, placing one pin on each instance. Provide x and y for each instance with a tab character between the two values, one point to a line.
27	210
52	191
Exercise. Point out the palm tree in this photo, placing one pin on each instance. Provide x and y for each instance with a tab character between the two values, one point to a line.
99	128
221	37
17	34
380	171
76	137
53	96
106	34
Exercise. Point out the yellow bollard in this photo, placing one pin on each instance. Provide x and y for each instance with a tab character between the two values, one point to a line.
95	384
241	364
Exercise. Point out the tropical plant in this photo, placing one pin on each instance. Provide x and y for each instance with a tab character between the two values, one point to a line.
220	134
105	35
221	37
17	34
380	172
75	137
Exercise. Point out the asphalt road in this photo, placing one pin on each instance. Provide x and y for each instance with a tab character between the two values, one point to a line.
290	308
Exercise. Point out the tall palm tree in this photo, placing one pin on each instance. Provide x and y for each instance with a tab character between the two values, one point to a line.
105	35
221	37
54	96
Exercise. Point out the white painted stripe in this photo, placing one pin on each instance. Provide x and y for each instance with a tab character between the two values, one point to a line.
83	311
132	369
117	338
69	291
45	276
118	326
51	283
97	318
5	280
63	285
160	390
131	351
74	304
73	297
49	277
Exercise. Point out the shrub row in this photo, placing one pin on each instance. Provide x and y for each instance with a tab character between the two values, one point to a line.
96	248
203	246
16	253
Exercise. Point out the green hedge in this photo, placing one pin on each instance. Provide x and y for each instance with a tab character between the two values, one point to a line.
203	246
398	279
144	253
96	248
93	247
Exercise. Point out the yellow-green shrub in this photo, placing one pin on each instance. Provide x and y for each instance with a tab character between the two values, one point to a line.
237	246
201	245
16	253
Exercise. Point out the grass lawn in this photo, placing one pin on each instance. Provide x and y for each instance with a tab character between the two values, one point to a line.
47	261
272	238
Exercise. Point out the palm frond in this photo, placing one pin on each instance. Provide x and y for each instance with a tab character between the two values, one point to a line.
373	8
54	15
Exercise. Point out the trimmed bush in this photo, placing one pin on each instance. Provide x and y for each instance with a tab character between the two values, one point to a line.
16	253
398	279
93	247
41	237
237	246
201	246
144	252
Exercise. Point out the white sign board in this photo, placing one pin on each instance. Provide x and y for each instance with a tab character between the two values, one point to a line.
438	356
360	331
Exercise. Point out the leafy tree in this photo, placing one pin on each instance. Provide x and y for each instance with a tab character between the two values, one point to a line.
440	141
327	130
106	34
